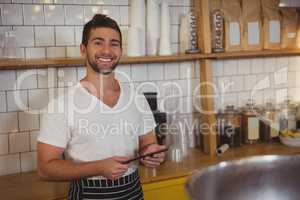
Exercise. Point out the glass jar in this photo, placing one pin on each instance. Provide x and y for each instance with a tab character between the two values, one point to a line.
269	123
287	118
229	127
250	123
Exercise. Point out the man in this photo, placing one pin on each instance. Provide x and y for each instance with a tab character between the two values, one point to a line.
101	126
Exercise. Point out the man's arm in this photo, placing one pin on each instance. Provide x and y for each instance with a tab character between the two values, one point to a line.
148	144
52	167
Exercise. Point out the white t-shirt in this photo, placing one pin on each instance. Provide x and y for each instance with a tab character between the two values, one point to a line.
90	130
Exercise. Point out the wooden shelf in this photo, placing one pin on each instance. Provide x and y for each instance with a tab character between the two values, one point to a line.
255	54
7	64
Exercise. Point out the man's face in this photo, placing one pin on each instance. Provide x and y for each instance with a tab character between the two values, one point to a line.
103	50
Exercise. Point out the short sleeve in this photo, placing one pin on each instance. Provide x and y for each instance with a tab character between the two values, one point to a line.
54	129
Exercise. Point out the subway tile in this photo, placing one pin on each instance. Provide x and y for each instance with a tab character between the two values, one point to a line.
155	71
124	13
123	73
197	69
67	76
229	99
63	1
294	93
21	1
217	67
7	79
2	102
244	66
12	14
243	98
171	71
33	140
8	122
294	63
237	83
26	79
263	81
56	52
257	65
28	161
47	78
44	36
54	15
24	36
269	96
35	52
187	70
38	99
270	64
250	81
74	15
73	52
139	72
90	11
224	84
78	35
81	73
17	100
281	95
258	97
113	12
9	164
3	144
42	1
185	87
33	15
282	62
64	36
28	121
230	67
281	76
120	2
186	105
18	142
146	86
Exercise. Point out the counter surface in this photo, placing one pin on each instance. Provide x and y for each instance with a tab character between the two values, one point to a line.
27	186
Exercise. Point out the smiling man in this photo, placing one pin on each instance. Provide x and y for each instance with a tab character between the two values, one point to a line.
89	142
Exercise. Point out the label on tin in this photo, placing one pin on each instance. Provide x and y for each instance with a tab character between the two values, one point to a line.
253	128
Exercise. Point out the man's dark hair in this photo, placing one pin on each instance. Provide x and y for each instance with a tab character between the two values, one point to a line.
99	21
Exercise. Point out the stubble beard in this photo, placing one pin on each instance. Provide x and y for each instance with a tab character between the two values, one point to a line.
102	71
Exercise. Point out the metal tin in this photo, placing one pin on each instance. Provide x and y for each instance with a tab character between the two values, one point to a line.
217	27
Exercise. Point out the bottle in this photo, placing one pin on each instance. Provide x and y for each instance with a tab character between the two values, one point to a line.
267	129
217	30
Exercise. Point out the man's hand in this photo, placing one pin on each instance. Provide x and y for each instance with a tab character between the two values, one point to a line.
156	159
113	168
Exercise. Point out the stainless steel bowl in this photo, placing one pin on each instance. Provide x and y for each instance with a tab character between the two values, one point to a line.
255	178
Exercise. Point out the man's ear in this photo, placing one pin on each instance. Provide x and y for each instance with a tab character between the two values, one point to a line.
83	50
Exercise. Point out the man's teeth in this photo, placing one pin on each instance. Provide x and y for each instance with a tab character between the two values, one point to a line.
104	59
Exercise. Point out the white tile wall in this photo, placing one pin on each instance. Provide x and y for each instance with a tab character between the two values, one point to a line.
73	51
54	15
67	76
17	100
3	144
47	78
24	36
12	14
155	71
19	142
171	71
33	140
56	52
33	14
10	164
28	121
139	72
44	36
7	79
38	99
2	102
28	161
26	79
35	52
8	122
74	15
64	36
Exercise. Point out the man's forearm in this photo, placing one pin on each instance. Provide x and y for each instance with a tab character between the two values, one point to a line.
65	170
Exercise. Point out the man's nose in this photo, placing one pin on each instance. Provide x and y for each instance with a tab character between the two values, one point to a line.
106	48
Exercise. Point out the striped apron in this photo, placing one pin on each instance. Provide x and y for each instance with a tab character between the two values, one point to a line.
124	188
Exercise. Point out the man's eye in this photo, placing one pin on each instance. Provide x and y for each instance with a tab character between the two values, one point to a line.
115	44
